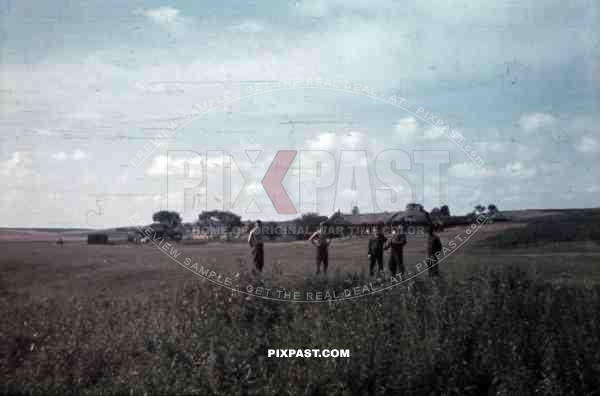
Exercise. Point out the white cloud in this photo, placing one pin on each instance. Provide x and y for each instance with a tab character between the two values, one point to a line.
94	90
409	130
325	141
78	155
313	8
407	126
592	189
353	141
60	156
18	170
534	121
166	17
332	142
469	170
519	169
161	165
7	167
248	27
515	167
432	133
158	166
588	144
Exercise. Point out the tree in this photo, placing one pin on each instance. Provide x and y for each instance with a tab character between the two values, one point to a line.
355	210
414	207
168	218
445	210
227	218
479	208
492	209
310	221
271	229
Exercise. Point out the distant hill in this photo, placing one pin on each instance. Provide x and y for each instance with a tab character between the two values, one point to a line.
41	234
547	227
42	229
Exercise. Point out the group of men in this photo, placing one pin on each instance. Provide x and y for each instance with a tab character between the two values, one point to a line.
378	243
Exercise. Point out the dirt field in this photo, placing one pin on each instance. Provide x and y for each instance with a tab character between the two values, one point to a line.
45	270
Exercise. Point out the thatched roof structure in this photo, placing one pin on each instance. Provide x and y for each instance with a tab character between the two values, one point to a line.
411	216
367	219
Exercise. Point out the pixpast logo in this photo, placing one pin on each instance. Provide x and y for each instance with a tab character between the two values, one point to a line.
220	181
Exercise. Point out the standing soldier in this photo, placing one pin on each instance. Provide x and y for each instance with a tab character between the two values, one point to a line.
320	240
434	249
396	244
376	244
255	240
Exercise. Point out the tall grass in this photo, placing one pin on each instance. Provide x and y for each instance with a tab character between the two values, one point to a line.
498	332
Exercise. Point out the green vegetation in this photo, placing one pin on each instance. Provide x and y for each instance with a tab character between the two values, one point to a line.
499	331
170	219
127	321
565	226
227	218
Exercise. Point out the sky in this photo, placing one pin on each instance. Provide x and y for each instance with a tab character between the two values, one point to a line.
85	86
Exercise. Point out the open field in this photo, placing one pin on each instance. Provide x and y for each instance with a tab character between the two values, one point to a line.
32	235
504	318
124	270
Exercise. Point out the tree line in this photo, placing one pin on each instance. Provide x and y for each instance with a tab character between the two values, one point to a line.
308	221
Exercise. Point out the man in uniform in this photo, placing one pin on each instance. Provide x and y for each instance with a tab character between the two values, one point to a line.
376	244
396	244
434	249
255	240
321	241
